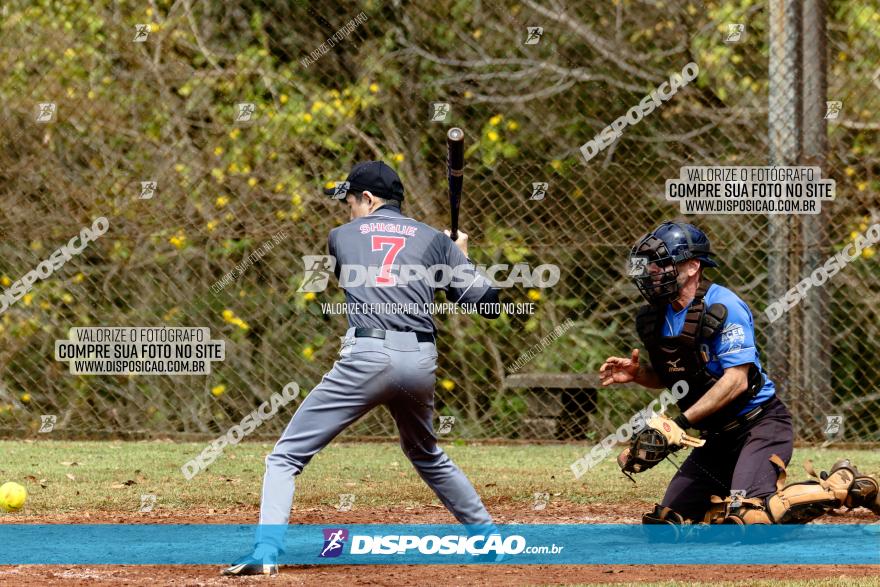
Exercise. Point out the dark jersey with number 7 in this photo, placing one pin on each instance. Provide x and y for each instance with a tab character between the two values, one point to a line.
390	266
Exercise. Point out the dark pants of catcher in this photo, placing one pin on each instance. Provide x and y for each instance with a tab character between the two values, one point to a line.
733	461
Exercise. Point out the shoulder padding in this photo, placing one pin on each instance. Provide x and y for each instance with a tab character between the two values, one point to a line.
713	321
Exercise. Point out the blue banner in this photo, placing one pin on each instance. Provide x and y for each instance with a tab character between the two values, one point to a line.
134	544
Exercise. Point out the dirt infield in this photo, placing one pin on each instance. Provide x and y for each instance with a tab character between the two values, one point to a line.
397	575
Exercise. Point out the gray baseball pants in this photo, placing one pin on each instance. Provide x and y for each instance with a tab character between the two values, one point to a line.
398	372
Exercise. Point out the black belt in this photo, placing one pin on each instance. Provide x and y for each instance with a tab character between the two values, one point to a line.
376	333
741	421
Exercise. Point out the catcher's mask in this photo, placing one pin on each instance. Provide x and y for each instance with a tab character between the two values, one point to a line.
654	258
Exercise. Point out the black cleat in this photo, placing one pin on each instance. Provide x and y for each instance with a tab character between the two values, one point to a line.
253	564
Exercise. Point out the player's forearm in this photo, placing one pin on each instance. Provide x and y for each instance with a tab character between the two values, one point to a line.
725	390
647	377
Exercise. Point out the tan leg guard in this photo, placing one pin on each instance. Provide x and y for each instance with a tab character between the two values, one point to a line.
844	485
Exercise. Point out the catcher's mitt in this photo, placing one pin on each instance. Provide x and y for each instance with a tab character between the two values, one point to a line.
647	448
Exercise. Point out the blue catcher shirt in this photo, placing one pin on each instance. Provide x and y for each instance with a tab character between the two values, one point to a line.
734	345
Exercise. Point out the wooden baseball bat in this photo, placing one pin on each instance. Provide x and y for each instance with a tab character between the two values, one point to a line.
455	174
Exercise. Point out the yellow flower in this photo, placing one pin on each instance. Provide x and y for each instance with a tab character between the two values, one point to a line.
66	298
228	217
241	324
178	240
853	235
36	246
296	199
246	169
512	125
283	98
179	168
233	168
496	120
868	253
27	299
534	295
862	186
25	397
78	278
221	201
468	94
5	281
69	53
233	134
317	106
310	296
281	215
397	157
218	390
307	117
849	171
330	184
218	151
556	164
278	187
492	135
252	181
217	174
477	33
374	87
308	353
447	384
228	315
212	225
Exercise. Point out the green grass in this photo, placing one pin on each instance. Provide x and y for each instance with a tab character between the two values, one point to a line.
378	473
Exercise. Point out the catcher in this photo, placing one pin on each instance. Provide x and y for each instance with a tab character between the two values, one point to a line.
703	334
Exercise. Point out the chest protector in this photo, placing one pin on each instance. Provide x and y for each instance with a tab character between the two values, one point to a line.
684	357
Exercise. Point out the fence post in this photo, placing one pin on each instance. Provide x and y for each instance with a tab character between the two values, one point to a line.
814	371
784	130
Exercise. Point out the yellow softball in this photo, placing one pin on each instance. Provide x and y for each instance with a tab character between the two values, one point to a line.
12	497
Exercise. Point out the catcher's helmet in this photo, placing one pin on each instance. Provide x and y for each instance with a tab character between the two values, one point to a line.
665	247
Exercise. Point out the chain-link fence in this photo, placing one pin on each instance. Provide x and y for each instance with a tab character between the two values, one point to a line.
202	130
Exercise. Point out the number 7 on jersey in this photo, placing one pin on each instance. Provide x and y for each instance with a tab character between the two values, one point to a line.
395	244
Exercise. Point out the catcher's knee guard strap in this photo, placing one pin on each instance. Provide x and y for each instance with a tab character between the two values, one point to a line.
662	515
737	510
